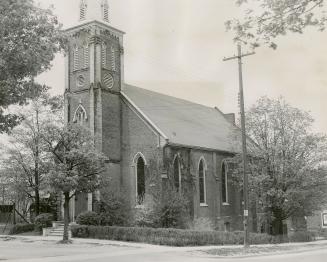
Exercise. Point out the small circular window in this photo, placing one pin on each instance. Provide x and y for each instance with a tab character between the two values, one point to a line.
80	81
108	80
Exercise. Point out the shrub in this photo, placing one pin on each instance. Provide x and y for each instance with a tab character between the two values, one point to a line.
113	209
168	236
21	228
301	236
173	210
201	224
146	216
43	221
88	218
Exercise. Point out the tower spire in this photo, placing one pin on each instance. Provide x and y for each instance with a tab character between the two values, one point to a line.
94	10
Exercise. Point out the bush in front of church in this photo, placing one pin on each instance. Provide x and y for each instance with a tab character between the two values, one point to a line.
114	208
88	218
43	221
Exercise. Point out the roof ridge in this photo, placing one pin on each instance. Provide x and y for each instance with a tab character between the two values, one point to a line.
173	97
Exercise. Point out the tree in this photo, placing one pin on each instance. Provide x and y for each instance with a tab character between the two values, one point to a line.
26	161
29	39
288	177
76	167
265	20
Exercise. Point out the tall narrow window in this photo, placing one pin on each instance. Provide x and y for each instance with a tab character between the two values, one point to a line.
113	59
104	55
86	56
82	13
202	182
140	180
177	174
76	58
224	183
105	10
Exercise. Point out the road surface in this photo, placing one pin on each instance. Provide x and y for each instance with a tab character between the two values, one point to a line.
30	250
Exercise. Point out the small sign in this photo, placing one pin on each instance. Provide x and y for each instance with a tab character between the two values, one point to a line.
164	175
246	212
324	219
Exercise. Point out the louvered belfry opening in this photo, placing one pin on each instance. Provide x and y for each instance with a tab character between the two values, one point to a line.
83	10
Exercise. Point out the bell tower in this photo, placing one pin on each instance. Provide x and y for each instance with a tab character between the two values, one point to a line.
94	78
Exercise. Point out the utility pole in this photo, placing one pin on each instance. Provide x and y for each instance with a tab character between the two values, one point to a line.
239	56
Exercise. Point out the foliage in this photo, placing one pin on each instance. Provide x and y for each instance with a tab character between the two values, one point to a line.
114	208
25	160
76	167
88	218
265	20
29	38
288	177
43	221
201	224
173	209
171	237
301	236
21	228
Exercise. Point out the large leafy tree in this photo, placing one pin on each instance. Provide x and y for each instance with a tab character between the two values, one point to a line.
77	165
29	38
25	159
265	20
288	177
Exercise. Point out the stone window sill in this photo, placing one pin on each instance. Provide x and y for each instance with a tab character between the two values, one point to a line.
225	204
203	205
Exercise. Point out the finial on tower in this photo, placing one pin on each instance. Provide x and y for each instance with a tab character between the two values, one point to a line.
94	10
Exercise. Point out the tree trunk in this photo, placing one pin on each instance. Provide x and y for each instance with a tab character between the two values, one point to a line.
37	202
278	229
66	217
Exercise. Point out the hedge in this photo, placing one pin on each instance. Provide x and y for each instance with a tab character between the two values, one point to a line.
169	236
21	228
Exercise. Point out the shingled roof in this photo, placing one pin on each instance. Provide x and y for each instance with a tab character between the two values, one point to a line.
185	123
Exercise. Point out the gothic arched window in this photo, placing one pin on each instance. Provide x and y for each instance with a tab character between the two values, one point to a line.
202	182
177	174
76	58
140	164
104	55
224	183
80	115
83	10
86	55
113	59
105	10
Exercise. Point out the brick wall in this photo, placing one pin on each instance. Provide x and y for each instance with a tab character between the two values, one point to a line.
214	209
138	137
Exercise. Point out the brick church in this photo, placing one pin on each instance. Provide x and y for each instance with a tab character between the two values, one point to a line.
145	134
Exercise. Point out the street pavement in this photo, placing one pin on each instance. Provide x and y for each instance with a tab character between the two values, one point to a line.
35	249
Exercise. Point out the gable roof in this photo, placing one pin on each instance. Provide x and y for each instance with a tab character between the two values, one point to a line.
185	123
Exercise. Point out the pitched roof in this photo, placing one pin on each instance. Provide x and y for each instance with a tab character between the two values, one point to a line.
185	123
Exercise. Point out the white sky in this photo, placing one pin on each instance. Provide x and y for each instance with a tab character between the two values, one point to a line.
177	46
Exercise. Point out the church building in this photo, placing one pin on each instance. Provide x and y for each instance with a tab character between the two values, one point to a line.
149	139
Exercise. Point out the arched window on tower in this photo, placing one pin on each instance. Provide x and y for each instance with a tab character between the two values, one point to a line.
86	55
105	10
80	116
177	174
113	59
140	164
83	10
202	182
104	55
224	183
75	58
